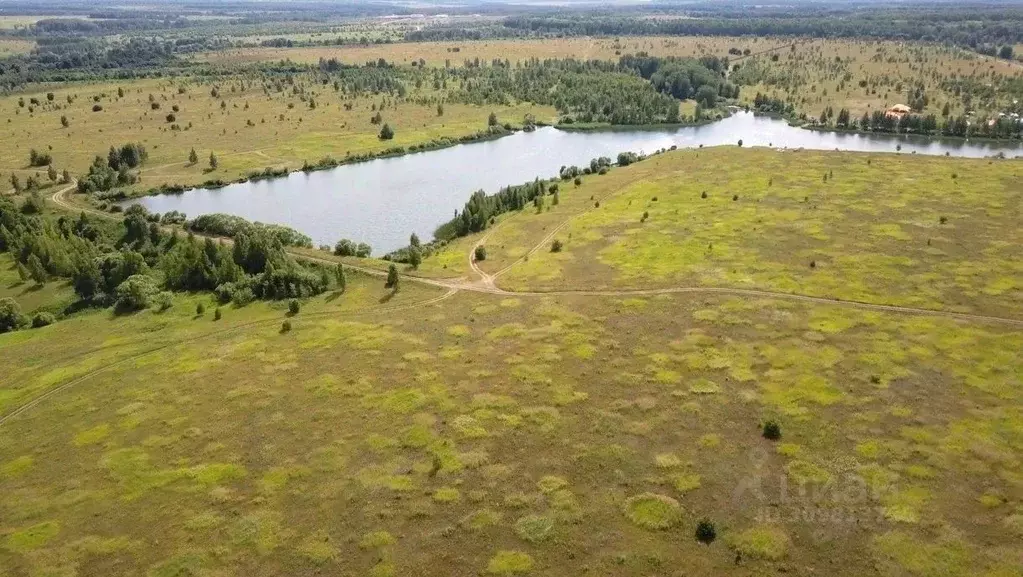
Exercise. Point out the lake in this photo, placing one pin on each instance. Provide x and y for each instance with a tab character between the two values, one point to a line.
381	202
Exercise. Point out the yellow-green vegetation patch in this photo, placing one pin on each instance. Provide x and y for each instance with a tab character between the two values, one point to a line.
31	538
459	331
534	528
17	466
261	531
804	472
763	542
92	436
686	482
704	387
510	563
653	511
446	495
949	556
667	460
905	505
376	540
551	483
317	547
481	519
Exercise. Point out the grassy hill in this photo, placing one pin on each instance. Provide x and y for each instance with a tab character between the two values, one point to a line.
436	431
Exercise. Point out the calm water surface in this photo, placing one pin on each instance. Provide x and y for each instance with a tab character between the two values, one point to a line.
382	202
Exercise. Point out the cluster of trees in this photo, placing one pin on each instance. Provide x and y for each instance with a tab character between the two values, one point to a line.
116	170
375	77
66	59
481	208
219	224
591	91
926	124
345	247
131	264
685	78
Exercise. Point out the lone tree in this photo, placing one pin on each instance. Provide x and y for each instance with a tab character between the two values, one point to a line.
339	274
413	240
386	133
772	430
705	532
392	277
213	161
492	119
36	270
193	158
415	257
10	314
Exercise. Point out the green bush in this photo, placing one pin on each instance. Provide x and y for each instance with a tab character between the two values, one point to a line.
136	292
392	277
557	245
772	430
217	315
481	252
293	307
200	309
286	326
42	319
705	532
10	315
163	301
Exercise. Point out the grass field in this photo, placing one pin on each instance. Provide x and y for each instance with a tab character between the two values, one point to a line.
435	432
436	53
815	73
883	228
250	131
820	73
13	46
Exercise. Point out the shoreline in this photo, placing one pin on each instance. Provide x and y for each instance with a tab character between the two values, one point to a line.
485	136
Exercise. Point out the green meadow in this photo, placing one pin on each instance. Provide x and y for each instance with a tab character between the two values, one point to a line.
438	430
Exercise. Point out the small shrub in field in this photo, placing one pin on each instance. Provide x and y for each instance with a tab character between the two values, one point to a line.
578	181
557	245
42	320
943	219
217	315
293	307
705	532
703	194
646	215
392	277
163	301
200	309
772	431
481	252
286	326
813	264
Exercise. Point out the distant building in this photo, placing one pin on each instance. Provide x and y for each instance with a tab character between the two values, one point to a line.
897	111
